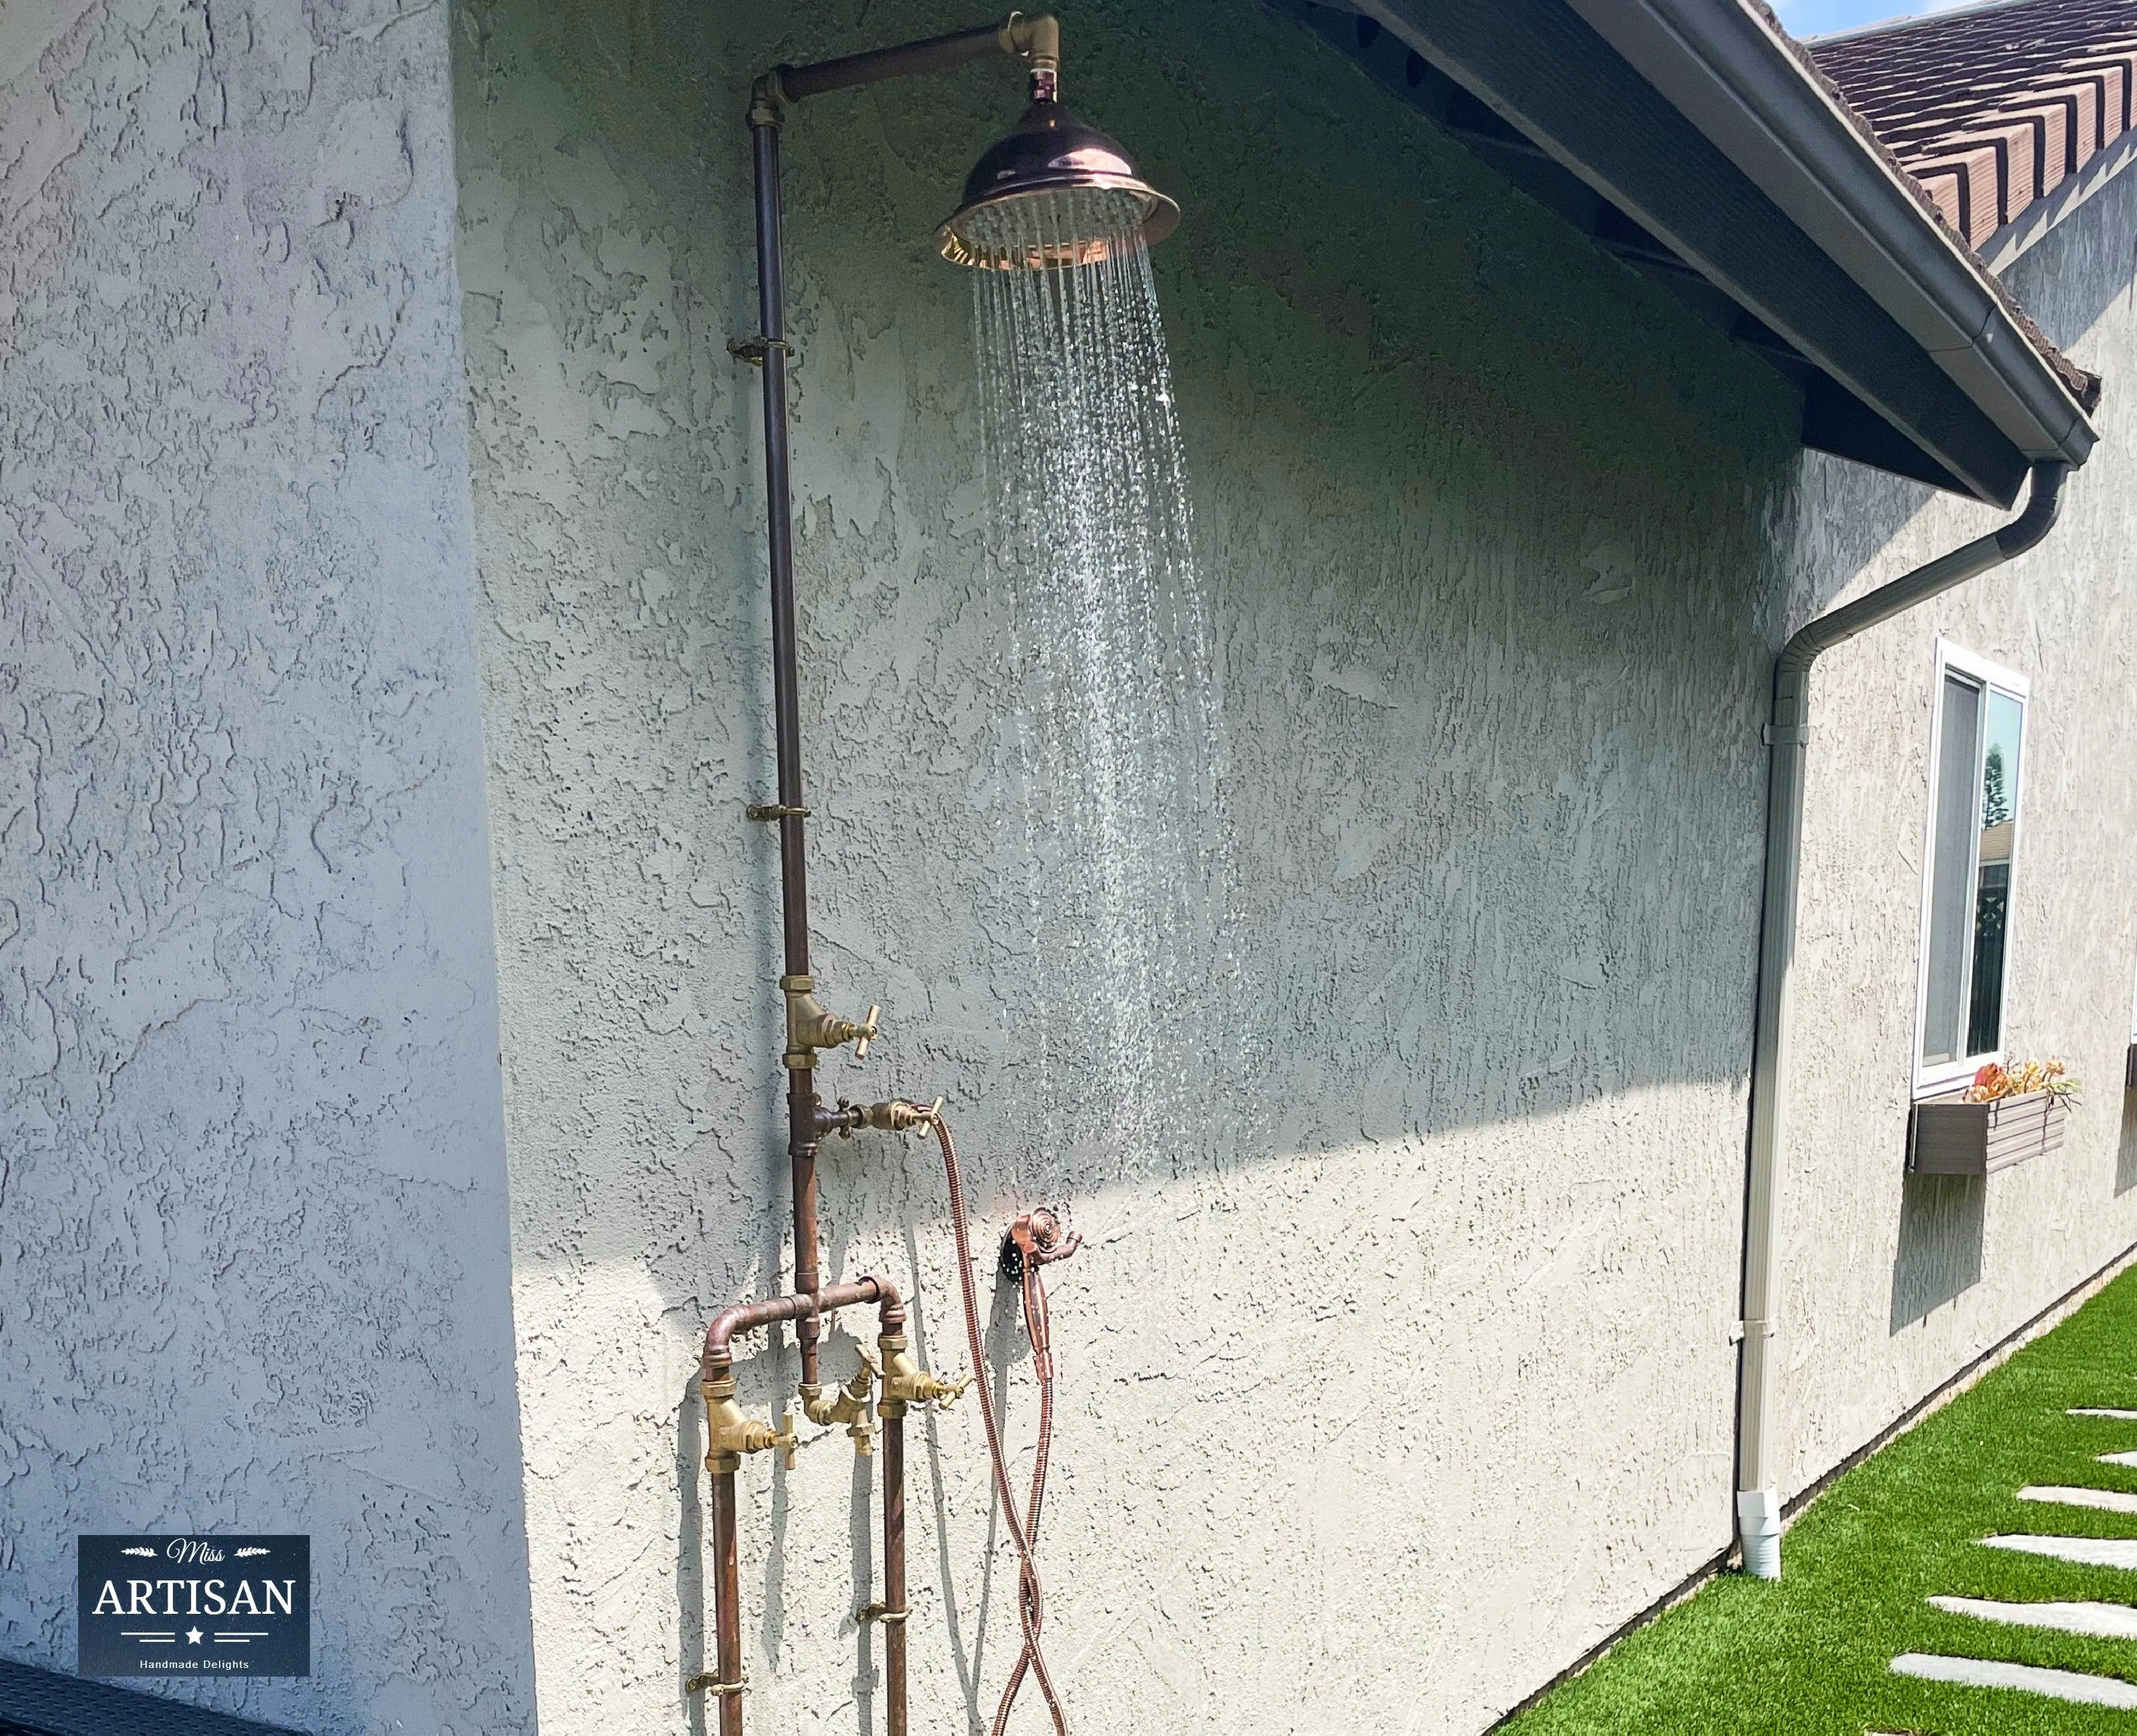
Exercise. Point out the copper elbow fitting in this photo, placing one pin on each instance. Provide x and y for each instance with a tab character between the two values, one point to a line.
1037	43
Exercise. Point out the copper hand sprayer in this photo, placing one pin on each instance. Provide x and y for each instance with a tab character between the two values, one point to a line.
1055	164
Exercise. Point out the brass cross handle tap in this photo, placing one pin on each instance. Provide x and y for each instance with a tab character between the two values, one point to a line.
809	1028
905	1382
946	1392
850	1406
895	1115
729	1434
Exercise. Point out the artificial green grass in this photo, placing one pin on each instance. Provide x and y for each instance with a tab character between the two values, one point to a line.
1811	1654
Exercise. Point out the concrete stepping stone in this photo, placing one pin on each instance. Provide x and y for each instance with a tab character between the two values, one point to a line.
2095	1620
2064	1685
2095	1410
2092	1552
2116	1458
2106	1500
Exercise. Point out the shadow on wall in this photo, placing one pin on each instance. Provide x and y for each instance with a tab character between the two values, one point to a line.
1941	1218
2126	1156
2063	282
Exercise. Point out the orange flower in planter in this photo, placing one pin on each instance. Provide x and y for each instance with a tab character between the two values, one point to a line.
1994	1083
1989	1084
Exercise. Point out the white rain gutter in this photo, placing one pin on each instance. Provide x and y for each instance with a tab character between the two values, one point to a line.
1726	66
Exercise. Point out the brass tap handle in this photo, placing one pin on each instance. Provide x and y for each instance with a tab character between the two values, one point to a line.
782	1442
849	1406
905	1382
810	1028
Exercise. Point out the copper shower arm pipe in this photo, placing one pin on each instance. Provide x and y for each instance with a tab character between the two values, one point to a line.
1037	40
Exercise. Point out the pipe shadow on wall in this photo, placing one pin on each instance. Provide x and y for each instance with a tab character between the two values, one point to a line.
1941	1220
690	1552
1001	1340
2125	1154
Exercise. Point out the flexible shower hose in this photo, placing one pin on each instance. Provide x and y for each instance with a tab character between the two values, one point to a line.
1023	1531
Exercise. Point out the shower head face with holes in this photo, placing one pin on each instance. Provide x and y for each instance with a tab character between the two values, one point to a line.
1056	191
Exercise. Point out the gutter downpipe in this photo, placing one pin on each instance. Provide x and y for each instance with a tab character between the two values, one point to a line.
1758	1497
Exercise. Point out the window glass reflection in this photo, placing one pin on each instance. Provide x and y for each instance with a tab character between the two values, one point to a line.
1999	826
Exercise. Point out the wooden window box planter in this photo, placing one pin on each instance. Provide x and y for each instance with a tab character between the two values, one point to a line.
1947	1136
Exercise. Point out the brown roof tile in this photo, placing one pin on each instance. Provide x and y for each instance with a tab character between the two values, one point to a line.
1991	108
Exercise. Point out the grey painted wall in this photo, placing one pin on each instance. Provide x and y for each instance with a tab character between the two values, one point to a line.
1434	1342
253	1244
1426	1334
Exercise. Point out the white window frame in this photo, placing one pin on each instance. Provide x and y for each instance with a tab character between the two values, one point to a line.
1954	659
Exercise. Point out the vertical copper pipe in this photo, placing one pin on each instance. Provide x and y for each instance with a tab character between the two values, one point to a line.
786	694
894	1574
801	1107
779	534
727	1599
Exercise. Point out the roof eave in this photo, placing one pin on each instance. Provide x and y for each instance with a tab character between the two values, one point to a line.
1734	75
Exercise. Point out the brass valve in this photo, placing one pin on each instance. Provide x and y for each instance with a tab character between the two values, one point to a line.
850	1407
810	1028
894	1115
729	1434
905	1382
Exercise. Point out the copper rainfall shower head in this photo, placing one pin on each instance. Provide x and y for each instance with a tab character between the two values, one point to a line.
1055	192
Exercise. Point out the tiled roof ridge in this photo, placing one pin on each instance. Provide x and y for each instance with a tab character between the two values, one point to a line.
1992	109
1920	21
2084	386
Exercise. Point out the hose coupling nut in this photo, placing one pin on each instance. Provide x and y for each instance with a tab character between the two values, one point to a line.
895	1115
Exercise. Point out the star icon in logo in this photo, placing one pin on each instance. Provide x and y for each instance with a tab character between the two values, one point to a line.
192	1636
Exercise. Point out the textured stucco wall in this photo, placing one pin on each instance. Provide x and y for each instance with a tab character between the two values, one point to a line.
1889	1285
1435	1348
253	1242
